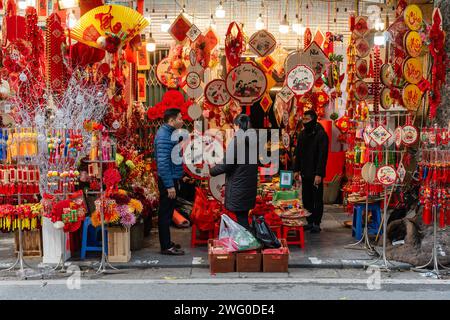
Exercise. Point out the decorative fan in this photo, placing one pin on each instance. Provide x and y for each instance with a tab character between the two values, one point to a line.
108	27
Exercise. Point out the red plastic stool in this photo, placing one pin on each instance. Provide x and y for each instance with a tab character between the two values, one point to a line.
299	238
277	230
195	240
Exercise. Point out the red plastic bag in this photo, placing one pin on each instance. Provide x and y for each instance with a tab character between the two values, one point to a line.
200	215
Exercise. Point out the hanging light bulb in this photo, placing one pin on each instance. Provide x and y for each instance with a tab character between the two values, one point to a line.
23	4
165	25
71	20
212	23
298	27
151	43
220	11
284	25
259	24
379	25
379	38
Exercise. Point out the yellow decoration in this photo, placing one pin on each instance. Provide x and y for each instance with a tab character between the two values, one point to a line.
413	17
108	20
411	97
136	205
412	70
413	43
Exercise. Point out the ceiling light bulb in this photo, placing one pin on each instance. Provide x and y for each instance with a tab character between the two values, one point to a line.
259	24
165	25
379	39
151	44
298	27
284	25
220	11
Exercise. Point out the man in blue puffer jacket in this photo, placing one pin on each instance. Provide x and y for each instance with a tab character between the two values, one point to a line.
169	175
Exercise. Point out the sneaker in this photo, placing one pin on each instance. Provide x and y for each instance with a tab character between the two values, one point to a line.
315	228
173	252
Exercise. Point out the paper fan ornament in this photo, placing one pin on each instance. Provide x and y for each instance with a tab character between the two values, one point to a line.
108	27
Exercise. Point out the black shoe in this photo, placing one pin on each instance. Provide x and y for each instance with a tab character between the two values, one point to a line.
173	252
315	228
176	246
307	227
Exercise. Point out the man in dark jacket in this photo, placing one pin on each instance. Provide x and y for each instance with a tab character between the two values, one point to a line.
169	175
310	163
241	170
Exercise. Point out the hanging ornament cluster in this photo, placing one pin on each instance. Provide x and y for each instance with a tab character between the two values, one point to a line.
25	217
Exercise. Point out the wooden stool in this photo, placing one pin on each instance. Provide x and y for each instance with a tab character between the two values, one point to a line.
299	238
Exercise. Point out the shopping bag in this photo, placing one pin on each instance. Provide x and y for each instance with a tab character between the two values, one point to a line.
264	234
235	237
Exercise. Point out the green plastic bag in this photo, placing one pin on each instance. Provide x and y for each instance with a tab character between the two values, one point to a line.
239	238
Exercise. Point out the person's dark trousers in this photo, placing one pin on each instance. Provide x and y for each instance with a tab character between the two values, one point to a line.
242	219
312	197
165	214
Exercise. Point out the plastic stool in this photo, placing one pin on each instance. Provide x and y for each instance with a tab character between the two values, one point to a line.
195	240
89	239
277	231
358	224
299	238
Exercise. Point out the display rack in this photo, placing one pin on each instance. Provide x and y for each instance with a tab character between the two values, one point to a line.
20	261
104	264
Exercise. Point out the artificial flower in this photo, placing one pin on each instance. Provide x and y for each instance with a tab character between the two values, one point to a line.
128	220
95	219
136	205
119	159
130	164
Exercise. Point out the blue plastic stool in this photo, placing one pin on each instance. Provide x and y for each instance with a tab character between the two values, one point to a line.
89	241
372	227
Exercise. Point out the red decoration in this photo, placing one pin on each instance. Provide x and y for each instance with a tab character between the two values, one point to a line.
234	44
171	99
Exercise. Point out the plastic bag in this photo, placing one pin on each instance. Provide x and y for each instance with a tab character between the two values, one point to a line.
264	234
237	237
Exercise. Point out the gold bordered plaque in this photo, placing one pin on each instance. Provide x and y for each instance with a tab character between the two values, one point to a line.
413	43
413	17
412	70
411	97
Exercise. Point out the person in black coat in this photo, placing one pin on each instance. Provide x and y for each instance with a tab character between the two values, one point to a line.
241	174
310	163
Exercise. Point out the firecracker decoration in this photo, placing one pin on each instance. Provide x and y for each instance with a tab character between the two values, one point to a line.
25	217
55	39
376	80
307	38
351	77
437	51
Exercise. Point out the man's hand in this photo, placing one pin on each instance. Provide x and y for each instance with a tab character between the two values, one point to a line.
172	193
186	179
317	180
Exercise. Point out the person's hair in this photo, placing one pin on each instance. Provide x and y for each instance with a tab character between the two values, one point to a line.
243	122
171	113
311	113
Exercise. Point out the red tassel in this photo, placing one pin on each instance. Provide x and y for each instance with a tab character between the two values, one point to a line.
426	215
442	217
371	72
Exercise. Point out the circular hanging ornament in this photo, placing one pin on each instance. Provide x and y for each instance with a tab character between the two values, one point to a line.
410	135
362	68
411	97
286	139
246	83
300	79
165	75
368	172
385	99
412	70
216	187
195	111
387	74
193	80
361	26
398	136
193	57
216	93
362	48
386	175
362	90
413	43
413	17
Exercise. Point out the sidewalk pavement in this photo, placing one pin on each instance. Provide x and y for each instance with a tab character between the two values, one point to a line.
323	250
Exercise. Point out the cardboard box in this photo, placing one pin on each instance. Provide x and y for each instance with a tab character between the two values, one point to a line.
220	263
250	261
276	262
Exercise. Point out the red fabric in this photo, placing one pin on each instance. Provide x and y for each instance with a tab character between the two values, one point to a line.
199	215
